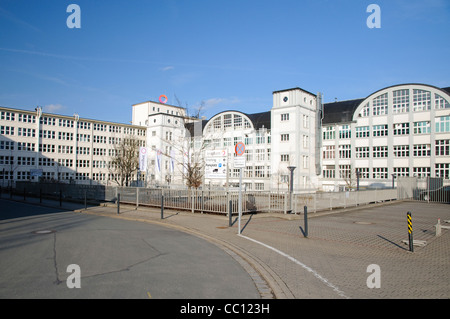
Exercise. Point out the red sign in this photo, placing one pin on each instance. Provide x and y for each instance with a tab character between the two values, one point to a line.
239	149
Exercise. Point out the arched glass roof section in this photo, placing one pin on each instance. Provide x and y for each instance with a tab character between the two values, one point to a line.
228	121
403	98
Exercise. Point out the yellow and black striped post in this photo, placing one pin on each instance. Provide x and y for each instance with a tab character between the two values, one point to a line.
410	232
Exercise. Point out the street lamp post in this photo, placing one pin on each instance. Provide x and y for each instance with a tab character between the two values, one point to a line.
291	186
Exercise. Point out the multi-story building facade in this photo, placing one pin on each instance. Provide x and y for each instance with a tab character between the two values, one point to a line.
402	130
62	148
274	140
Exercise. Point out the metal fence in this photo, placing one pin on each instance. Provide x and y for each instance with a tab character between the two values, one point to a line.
209	201
429	189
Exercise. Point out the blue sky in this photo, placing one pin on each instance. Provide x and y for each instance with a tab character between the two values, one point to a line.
229	54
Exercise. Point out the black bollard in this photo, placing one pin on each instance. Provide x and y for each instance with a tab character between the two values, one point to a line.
162	206
230	215
410	232
305	209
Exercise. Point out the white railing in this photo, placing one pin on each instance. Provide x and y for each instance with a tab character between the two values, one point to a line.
212	201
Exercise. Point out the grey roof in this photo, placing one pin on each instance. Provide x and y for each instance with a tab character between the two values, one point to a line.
190	127
260	120
340	112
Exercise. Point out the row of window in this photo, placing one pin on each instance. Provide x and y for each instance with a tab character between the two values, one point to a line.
442	125
62	149
442	148
47	134
44	161
259	139
51	121
346	172
305	119
228	122
25	175
402	102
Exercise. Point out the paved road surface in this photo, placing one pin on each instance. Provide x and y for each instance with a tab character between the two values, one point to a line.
117	258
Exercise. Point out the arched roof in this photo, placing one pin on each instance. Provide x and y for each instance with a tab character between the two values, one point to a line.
257	120
348	111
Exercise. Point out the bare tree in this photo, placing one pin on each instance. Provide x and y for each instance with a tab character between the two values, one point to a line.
191	113
186	149
349	176
281	177
125	160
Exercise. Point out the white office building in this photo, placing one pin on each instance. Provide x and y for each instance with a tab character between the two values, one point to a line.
36	145
402	130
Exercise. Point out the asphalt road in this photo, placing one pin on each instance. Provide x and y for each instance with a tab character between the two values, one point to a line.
116	258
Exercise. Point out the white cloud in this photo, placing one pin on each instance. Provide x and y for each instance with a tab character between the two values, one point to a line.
52	108
218	101
167	68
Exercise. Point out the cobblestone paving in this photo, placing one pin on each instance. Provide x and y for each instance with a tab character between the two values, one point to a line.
340	247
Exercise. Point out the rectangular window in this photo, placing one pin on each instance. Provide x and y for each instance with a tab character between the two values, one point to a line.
401	171
421	100
443	124
305	139
7	116
363	172
329	133
260	155
362	131
345	171
285	157
329	152
305	121
7	130
259	171
329	171
442	147
401	150
285	117
248	172
345	151
259	186
284	137
248	155
422	150
422	127
237	121
362	152
401	129
380	172
443	170
345	132
260	138
227	121
380	130
380	151
400	101
305	161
